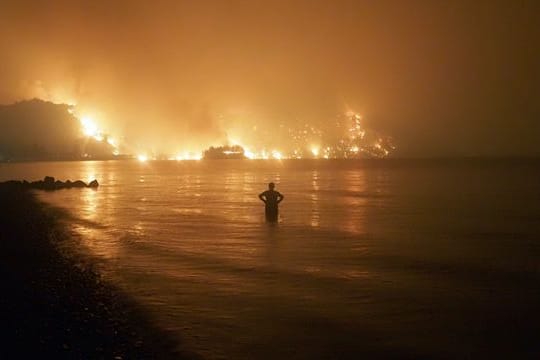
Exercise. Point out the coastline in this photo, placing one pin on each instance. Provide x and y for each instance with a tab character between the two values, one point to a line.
54	308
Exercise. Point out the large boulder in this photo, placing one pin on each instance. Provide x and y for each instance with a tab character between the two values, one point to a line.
48	183
59	184
12	183
37	184
78	184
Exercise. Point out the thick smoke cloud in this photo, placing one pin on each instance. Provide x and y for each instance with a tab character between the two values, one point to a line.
441	78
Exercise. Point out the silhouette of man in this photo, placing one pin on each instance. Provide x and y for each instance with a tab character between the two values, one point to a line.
271	199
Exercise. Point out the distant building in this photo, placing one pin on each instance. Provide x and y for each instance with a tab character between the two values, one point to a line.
224	152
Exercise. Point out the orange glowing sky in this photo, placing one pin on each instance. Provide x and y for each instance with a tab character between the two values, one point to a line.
442	78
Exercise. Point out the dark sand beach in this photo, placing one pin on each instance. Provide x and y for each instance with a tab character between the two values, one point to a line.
52	306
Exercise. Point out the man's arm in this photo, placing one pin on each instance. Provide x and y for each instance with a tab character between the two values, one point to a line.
280	198
261	196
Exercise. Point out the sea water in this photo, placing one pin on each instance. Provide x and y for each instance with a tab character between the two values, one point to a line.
387	259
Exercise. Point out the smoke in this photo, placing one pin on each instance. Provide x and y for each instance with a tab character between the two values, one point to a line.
108	60
174	75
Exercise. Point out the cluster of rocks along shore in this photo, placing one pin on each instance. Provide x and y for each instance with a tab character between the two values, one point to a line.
50	183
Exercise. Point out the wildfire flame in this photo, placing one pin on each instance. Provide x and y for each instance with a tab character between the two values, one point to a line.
355	141
142	157
89	127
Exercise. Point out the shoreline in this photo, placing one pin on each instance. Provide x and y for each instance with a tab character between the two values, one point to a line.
53	307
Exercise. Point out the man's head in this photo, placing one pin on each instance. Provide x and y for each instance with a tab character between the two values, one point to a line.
271	186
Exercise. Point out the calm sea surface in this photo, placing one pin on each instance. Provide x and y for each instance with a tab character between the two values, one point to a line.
389	259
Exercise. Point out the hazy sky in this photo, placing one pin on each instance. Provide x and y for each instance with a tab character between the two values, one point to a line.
441	77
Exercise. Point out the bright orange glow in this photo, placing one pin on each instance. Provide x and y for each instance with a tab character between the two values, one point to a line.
249	154
142	158
308	141
277	155
90	128
187	156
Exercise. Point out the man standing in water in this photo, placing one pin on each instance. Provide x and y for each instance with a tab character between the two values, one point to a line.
271	199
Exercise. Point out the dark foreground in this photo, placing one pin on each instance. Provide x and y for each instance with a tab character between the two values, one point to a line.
54	308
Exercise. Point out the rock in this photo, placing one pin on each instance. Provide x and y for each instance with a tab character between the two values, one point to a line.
49	184
78	184
12	183
59	185
37	184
